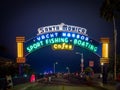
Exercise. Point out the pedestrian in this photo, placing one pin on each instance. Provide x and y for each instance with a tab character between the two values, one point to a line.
32	78
49	78
8	82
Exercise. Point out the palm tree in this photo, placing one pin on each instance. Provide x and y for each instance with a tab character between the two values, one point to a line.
110	10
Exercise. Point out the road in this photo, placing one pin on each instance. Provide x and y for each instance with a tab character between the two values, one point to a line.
69	83
36	86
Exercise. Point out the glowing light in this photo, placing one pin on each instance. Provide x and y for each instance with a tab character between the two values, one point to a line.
51	72
32	78
86	39
46	42
63	34
38	38
73	35
60	40
62	27
20	60
46	36
85	45
34	46
68	34
102	63
20	49
20	56
82	37
78	36
105	50
56	40
62	46
43	37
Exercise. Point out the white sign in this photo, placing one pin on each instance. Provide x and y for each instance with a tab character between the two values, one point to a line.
62	27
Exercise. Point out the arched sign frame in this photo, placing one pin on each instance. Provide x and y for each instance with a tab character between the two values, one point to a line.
61	33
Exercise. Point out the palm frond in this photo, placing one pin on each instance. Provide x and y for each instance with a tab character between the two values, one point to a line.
109	9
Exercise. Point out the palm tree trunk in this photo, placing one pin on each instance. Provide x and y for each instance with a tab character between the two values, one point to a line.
115	45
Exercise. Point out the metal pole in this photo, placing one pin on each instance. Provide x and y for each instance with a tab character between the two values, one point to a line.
68	69
54	67
82	62
115	44
102	70
20	69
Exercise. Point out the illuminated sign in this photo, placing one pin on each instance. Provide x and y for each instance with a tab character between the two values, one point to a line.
62	27
85	45
62	46
60	40
45	42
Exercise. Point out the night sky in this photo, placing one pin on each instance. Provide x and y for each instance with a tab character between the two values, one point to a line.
23	18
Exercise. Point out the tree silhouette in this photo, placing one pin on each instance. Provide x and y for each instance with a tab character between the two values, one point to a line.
110	10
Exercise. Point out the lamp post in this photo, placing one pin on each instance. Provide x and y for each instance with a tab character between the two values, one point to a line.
101	70
54	66
82	61
68	69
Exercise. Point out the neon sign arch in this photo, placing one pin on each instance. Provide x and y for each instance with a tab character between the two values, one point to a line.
62	34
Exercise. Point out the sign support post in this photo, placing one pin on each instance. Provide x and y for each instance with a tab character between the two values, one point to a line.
105	58
20	52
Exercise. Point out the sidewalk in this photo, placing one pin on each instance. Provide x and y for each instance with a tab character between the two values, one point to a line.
23	86
110	85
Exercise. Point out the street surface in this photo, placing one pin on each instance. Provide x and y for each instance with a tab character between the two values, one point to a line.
61	83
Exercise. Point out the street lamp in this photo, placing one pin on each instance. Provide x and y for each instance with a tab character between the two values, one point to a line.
54	66
101	75
82	61
68	69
